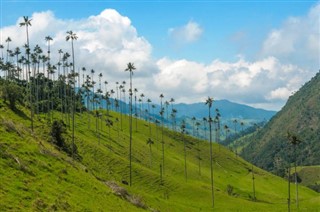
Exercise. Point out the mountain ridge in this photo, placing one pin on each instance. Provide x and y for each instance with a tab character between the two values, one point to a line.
301	117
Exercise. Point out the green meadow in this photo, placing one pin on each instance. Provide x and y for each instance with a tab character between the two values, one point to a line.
35	175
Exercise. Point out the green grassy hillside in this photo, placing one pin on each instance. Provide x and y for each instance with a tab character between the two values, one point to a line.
300	116
309	176
36	176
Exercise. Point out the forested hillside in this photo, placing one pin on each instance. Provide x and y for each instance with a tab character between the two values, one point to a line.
270	147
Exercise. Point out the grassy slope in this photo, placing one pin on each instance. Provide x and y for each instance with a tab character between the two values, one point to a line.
301	116
309	175
35	176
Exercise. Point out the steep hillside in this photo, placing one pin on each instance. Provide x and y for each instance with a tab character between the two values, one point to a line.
269	147
36	175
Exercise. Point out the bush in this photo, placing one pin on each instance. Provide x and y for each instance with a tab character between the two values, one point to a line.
230	190
58	129
12	92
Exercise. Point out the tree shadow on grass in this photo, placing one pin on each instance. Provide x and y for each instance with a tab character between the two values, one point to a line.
21	114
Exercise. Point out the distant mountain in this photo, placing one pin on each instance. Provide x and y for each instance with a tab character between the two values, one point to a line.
227	110
269	147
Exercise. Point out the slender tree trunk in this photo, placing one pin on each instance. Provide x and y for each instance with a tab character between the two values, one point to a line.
162	141
130	150
295	177
211	159
150	155
136	113
185	158
199	157
289	197
73	101
253	184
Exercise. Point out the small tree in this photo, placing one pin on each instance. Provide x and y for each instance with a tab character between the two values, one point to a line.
294	140
12	92
57	130
150	142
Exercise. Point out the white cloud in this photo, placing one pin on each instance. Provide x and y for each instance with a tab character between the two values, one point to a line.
106	42
280	93
263	82
296	40
188	33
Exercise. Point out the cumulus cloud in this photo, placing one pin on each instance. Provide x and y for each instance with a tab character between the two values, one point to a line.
296	40
265	81
106	42
188	33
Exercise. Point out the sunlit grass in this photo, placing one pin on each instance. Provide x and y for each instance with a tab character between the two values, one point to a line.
34	175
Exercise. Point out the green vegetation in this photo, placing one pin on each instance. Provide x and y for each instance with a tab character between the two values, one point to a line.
309	176
81	153
35	175
269	147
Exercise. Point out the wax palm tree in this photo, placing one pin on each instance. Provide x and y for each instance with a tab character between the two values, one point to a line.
205	120
162	141
48	39
100	90
8	40
72	36
294	140
199	151
108	103
235	122
27	22
1	58
242	126
87	87
172	114
111	96
226	128
141	105
117	89
130	68
150	142
124	109
17	52
92	83
149	116
120	105
217	119
166	103
60	90
193	119
209	102
183	127
135	107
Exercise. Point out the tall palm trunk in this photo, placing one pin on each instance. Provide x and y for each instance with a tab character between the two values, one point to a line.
130	68
209	102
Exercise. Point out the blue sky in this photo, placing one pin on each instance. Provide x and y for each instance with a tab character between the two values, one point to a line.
235	36
219	20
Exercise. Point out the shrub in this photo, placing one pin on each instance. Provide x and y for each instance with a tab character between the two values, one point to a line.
58	130
12	92
230	189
